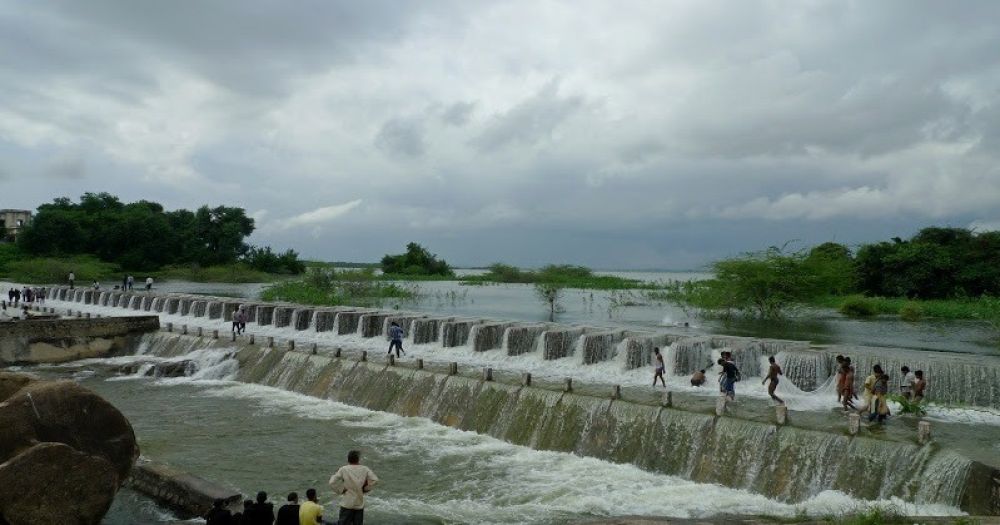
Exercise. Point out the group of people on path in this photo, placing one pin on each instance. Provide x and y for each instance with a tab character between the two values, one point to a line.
729	375
240	317
351	482
128	283
26	294
876	389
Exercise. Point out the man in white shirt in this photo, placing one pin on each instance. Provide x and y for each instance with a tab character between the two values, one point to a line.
352	481
149	283
906	382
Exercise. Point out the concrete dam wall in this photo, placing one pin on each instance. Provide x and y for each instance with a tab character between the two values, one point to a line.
953	378
38	341
783	462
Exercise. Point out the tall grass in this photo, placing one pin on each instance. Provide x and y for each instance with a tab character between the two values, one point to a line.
56	271
328	287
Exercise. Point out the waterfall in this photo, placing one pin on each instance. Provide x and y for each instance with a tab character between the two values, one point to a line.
372	324
519	339
426	330
303	318
600	346
787	463
487	336
456	332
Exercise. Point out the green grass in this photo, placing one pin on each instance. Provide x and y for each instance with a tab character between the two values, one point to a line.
47	270
233	273
982	308
323	287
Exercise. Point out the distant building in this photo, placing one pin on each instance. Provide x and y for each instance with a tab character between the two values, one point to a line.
13	222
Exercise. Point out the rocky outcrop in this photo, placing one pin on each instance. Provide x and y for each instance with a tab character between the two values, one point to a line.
64	452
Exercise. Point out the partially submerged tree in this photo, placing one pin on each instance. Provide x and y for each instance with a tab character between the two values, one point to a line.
550	293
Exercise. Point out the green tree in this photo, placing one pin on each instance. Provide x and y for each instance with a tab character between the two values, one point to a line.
550	294
416	261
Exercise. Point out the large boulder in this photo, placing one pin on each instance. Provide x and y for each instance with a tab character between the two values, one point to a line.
64	452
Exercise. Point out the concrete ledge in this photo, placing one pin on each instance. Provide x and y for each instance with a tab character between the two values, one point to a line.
36	341
182	492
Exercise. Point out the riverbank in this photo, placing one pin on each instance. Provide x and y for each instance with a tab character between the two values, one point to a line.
980	308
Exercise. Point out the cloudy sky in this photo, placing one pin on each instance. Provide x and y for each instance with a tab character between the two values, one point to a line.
619	134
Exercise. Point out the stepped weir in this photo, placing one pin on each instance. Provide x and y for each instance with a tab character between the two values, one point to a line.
665	435
954	378
678	435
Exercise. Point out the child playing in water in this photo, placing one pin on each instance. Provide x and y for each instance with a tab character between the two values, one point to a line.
660	368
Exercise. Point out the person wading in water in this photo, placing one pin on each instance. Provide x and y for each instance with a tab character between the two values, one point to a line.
772	375
660	368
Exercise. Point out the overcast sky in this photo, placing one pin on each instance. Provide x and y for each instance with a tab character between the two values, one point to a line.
615	134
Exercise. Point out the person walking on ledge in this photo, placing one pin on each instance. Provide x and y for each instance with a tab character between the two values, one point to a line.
660	368
772	375
352	482
396	338
72	279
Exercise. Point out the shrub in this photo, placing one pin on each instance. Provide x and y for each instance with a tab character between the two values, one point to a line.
858	307
55	271
911	311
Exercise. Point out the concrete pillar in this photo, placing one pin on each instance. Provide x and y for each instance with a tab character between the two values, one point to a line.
668	399
314	349
364	355
184	329
923	432
420	364
616	392
170	327
720	405
336	353
201	332
233	339
781	414
853	423
215	334
69	312
270	342
526	379
487	374
252	339
87	315
452	368
79	313
569	385
291	344
392	360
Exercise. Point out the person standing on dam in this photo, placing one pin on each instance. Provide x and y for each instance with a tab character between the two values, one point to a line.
847	391
906	382
698	378
773	372
288	514
72	279
396	338
729	376
352	482
919	384
660	368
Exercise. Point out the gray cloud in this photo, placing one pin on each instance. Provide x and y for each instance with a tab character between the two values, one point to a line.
604	134
529	121
401	138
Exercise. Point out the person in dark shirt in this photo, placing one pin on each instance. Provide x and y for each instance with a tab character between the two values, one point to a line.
262	512
219	515
288	514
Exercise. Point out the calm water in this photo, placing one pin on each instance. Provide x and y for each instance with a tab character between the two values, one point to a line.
634	309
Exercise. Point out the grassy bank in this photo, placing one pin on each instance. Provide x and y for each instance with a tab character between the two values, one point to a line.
322	287
981	308
45	270
564	276
233	273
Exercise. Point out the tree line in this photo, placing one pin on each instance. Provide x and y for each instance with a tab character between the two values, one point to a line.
936	263
143	235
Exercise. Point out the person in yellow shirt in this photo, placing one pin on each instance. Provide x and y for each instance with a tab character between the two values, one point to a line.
311	512
352	482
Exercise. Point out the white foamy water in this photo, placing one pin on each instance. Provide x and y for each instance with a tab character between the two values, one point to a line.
514	484
607	372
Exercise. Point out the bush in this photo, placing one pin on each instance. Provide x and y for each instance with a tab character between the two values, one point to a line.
858	307
911	311
416	261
